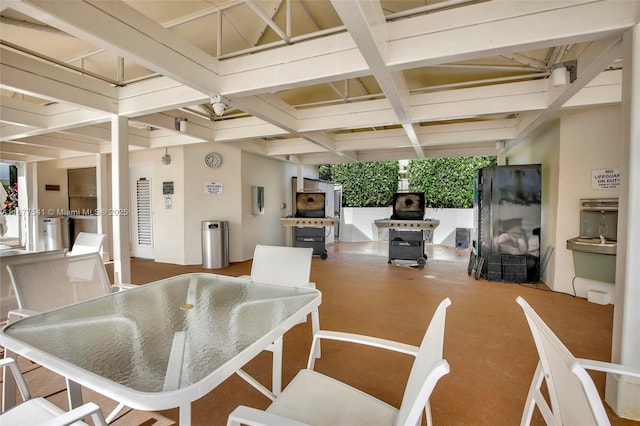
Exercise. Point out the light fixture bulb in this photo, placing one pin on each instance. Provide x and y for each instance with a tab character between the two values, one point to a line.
219	103
218	108
181	124
559	76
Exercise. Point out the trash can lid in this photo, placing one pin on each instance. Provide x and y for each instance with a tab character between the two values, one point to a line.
214	224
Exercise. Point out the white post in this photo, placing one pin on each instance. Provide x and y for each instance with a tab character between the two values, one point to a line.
621	393
103	221
120	209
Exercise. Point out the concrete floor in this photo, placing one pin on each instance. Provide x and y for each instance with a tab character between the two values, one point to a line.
487	343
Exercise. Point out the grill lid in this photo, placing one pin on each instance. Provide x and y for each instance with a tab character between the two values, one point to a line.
408	206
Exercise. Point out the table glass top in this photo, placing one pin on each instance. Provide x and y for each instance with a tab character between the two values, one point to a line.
165	335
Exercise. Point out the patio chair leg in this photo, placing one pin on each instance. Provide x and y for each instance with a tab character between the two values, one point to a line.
8	385
74	394
277	367
315	326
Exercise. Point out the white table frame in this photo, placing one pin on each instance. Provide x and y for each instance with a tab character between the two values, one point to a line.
151	401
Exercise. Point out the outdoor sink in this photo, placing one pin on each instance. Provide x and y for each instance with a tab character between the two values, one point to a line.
592	245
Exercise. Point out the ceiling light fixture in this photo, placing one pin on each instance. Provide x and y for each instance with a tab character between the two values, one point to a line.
559	73
559	76
181	124
219	103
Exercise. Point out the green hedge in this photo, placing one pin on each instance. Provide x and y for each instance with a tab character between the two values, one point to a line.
364	184
446	182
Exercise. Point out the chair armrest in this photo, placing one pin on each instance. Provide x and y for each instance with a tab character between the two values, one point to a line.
361	340
305	285
79	413
17	314
609	367
121	287
17	375
244	415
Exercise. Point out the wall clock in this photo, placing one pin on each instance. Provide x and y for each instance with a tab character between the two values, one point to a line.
213	160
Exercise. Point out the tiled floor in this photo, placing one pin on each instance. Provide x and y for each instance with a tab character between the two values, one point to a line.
487	343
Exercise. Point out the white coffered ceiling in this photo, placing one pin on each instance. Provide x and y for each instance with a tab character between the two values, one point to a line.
309	81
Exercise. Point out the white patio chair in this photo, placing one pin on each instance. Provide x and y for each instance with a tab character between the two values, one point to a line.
313	398
39	411
87	242
290	266
8	300
48	284
573	397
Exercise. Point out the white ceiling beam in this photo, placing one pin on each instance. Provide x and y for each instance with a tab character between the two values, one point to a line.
12	132
119	28
36	78
246	128
462	150
9	148
591	62
443	134
270	109
293	146
66	119
322	158
605	89
481	30
274	111
366	23
157	95
491	28
17	111
103	133
59	142
161	139
311	62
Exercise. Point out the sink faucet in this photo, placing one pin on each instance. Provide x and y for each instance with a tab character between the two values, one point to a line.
602	239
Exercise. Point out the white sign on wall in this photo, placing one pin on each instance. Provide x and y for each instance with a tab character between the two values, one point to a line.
212	188
605	179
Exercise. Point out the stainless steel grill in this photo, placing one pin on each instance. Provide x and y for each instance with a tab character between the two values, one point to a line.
407	227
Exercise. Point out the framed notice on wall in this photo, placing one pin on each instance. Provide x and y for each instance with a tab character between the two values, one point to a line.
212	188
605	179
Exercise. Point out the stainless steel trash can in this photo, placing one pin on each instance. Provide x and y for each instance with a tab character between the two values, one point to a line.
56	233
215	244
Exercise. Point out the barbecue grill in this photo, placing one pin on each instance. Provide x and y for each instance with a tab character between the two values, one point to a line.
406	227
309	222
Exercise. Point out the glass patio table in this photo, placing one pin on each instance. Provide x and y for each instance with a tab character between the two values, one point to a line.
164	344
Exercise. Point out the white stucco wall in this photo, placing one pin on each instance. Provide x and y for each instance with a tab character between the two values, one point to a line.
357	224
569	150
590	140
275	177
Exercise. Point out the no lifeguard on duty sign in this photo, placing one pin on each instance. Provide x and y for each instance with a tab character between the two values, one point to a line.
605	179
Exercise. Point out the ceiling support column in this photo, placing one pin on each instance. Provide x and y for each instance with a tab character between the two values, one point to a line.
120	199
28	202
103	222
623	393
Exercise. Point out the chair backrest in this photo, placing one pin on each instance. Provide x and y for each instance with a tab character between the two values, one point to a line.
282	265
87	242
8	300
428	367
45	285
572	393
